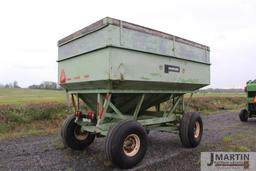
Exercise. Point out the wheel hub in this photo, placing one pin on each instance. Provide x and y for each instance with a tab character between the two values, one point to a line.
197	129
131	145
80	135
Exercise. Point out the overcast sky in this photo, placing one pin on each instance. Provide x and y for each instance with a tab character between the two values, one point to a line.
30	29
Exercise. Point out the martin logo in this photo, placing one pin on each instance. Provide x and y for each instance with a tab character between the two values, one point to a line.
228	161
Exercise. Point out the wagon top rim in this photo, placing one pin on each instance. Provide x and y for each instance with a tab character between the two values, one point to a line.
111	21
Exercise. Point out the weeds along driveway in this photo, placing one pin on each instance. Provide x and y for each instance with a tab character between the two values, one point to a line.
221	132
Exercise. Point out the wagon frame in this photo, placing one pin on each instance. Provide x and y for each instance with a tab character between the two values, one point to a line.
151	120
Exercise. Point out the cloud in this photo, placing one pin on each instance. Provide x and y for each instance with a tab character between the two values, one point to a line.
30	30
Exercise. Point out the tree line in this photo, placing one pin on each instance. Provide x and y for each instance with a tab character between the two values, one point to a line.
44	85
10	85
53	85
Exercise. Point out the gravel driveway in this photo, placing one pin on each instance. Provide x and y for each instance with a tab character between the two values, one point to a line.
164	150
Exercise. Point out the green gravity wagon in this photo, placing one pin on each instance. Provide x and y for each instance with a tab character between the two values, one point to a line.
132	80
250	110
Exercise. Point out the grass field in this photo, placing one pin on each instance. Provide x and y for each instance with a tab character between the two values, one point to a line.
28	111
20	96
31	111
223	94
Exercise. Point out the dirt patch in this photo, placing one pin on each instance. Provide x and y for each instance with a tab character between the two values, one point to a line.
165	151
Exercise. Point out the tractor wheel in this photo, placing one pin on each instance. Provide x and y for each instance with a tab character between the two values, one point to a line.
243	115
72	135
126	144
191	129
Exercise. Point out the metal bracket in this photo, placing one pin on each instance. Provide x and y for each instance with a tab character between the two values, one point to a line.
173	44
137	109
118	112
121	33
102	109
171	109
73	102
67	98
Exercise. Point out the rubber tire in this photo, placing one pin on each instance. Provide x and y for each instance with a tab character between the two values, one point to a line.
114	143
186	131
68	137
243	115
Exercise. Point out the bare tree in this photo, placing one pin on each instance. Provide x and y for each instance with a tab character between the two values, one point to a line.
44	85
15	84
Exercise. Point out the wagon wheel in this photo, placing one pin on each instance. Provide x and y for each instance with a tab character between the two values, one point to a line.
72	135
126	144
191	129
243	115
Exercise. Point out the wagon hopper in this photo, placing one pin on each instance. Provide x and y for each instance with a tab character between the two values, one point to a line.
123	72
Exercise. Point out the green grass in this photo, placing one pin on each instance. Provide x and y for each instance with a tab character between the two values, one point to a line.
12	116
211	104
227	139
21	96
37	127
31	111
239	141
226	94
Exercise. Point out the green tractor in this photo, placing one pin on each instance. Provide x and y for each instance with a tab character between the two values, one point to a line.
250	110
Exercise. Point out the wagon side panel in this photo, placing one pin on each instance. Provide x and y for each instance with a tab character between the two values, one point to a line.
85	68
129	65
